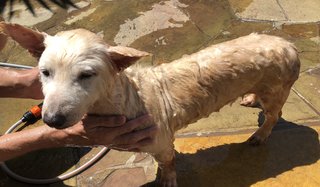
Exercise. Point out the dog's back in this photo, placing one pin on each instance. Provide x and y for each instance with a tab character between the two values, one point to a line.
199	84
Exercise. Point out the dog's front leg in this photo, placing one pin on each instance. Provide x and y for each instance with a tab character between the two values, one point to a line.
166	162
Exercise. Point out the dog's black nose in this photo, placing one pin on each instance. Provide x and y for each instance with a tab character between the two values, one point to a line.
56	120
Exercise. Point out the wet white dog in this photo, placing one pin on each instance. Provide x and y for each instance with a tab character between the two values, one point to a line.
82	74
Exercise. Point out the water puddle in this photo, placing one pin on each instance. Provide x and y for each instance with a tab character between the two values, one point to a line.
166	14
277	10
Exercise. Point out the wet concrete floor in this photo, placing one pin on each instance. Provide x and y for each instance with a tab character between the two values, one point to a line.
212	151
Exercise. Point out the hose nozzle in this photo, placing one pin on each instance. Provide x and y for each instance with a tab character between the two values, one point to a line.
32	115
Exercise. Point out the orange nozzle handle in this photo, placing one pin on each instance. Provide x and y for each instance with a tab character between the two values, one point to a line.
36	111
33	115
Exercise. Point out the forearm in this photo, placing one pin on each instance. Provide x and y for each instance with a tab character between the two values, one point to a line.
9	84
20	83
19	143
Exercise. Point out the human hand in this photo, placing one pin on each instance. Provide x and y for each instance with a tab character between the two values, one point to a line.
32	83
112	132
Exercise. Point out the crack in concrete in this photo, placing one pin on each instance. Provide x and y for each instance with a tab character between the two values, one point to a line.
284	21
193	23
211	38
311	51
316	67
283	11
273	21
306	101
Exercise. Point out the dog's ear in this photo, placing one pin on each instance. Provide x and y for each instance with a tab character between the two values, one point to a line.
123	57
3	37
27	38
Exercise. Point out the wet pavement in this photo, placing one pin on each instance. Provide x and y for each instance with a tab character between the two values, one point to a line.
211	152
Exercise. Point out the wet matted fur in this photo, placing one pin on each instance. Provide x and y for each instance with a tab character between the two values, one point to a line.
82	74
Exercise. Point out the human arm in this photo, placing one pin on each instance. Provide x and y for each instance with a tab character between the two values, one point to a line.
108	131
89	131
16	83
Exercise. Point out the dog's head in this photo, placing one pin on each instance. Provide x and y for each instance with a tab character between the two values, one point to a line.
75	68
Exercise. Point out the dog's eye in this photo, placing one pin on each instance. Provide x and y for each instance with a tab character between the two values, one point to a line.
45	72
86	75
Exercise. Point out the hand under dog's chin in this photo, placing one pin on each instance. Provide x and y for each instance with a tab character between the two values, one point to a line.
61	127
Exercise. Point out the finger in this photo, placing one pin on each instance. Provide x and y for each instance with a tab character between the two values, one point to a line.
135	150
104	121
134	147
137	147
134	124
136	136
130	150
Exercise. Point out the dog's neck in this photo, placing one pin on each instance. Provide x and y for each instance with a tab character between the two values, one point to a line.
123	99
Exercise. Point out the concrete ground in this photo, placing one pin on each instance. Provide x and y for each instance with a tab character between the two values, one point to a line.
211	152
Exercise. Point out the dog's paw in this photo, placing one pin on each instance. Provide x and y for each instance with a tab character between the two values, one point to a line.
256	140
259	137
250	100
169	180
169	183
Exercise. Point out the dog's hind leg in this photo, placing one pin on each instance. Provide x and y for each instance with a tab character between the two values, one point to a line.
272	105
166	163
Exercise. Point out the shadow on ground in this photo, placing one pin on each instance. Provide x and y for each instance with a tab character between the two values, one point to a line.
239	164
43	164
